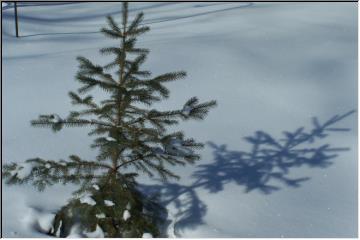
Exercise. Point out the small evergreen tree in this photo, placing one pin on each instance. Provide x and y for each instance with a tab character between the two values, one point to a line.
130	138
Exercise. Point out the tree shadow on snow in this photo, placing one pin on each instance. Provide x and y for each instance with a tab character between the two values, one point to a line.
264	168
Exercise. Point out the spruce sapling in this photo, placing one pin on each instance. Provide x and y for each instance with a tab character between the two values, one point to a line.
131	138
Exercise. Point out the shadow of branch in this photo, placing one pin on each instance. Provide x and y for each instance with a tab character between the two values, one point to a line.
265	168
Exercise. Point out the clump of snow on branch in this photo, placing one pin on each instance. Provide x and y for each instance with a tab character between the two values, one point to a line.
100	215
186	110
110	139
87	199
62	163
109	203
96	187
22	171
55	118
126	215
128	206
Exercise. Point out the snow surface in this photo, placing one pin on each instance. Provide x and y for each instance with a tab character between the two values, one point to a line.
98	233
75	232
271	67
147	235
45	222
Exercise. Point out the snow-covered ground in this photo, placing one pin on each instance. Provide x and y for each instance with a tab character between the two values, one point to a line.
271	67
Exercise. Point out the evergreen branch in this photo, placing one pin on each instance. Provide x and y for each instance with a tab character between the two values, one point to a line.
92	82
133	68
139	31
135	23
167	77
112	50
88	100
193	110
57	124
107	77
42	173
114	63
80	163
87	67
127	162
114	26
110	33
